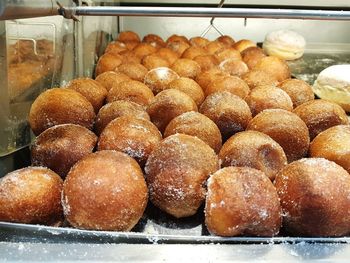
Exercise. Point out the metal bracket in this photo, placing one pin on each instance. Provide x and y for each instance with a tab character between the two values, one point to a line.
211	25
67	13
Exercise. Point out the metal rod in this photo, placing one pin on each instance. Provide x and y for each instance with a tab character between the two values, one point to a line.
210	12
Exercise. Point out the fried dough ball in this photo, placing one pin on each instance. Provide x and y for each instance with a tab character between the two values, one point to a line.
205	78
131	90
319	115
91	89
178	47
256	78
268	97
226	40
298	90
286	128
186	68
134	71
252	55
108	62
232	84
154	40
144	49
176	172
199	41
242	201
115	47
128	56
228	53
177	38
137	137
243	44
117	109
314	194
167	105
234	67
105	191
275	67
130	45
59	147
253	149
334	145
206	62
154	61
128	36
196	124
109	78
31	195
229	112
189	87
167	54
214	46
193	51
59	106
158	79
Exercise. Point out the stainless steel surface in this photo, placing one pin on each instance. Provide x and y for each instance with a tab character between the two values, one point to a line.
210	12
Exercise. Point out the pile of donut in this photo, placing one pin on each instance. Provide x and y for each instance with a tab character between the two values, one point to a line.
186	122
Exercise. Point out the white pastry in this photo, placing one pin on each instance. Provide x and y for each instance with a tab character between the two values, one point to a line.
333	84
285	44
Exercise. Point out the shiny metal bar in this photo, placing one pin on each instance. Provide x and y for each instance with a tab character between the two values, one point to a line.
210	12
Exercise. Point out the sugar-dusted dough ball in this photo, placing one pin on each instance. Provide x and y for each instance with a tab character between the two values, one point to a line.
274	66
190	87
298	90
158	79
135	71
109	78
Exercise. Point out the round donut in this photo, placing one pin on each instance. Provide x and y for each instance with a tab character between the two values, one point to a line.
193	51
232	84
226	40
108	62
229	112
205	78
242	201
115	47
154	61
286	128
186	68
108	78
256	78
253	149
31	195
314	194
298	90
117	109
105	191
128	36
158	79
167	105
206	62
334	145
169	55
319	115
135	71
178	47
234	67
177	38
243	44
199	41
228	53
154	40
144	49
128	56
190	87
252	55
59	106
275	67
196	124
59	147
176	172
214	46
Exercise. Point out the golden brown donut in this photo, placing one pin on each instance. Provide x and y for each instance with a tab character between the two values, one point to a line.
205	78
167	105
115	47
199	41
189	87
253	149
128	36
178	47
275	67
108	62
59	147
91	89
193	51
206	62
177	38
117	109
243	44
154	40
134	71
158	79
232	84
105	191
226	40
128	56
228	53
314	194
130	45
268	97
108	78
143	49
154	61
252	55
196	124
176	172
31	195
167	54
214	46
334	145
255	78
137	137
234	67
131	90
298	90
186	68
59	106
242	201
229	112
286	128
319	115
